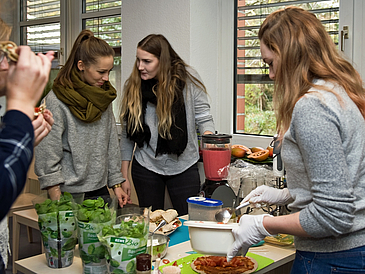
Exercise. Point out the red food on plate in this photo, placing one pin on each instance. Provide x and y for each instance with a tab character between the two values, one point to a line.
219	264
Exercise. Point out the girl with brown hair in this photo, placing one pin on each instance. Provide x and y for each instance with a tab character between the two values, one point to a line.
82	155
163	101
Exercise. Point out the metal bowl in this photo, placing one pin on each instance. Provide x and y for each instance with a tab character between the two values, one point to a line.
160	243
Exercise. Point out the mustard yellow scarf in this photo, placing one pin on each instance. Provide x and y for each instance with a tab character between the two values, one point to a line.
84	101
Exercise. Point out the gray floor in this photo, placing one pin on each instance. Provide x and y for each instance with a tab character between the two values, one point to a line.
26	249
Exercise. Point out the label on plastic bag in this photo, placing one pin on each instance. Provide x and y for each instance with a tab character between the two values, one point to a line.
92	252
123	252
59	243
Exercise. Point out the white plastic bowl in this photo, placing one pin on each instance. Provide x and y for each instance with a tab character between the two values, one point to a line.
210	237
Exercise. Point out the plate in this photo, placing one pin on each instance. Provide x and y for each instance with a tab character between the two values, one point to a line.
246	272
178	224
184	262
280	239
252	161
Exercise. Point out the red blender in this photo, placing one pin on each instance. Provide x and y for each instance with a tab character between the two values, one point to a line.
216	150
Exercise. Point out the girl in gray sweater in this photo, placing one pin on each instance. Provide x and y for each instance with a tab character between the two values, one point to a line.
81	155
320	103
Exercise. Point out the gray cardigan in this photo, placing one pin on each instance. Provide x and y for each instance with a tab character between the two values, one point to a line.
197	112
324	157
79	156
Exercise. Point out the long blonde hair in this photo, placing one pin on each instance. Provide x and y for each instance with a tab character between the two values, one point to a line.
305	52
172	70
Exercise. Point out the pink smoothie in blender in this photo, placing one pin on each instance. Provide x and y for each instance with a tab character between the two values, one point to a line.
216	156
216	163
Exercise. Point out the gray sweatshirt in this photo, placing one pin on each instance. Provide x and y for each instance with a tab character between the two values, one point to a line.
79	156
197	112
324	156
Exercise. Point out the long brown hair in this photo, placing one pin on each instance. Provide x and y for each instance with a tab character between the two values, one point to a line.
86	48
305	52
172	69
5	30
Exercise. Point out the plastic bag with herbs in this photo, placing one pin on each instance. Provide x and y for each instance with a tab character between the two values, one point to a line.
57	225
92	215
126	239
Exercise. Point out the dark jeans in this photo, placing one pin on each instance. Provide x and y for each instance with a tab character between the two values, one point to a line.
150	187
341	262
97	193
2	266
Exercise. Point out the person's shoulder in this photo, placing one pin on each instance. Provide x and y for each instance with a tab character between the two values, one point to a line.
52	101
192	71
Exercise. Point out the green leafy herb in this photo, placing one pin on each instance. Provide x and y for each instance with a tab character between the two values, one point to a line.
94	211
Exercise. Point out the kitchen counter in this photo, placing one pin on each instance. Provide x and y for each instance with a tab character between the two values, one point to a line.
280	254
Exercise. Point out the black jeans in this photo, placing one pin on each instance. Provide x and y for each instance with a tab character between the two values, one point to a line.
2	266
150	187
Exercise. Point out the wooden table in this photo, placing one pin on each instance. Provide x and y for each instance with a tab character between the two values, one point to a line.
28	218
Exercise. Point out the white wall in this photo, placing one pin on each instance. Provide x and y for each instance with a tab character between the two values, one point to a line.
201	32
197	32
140	18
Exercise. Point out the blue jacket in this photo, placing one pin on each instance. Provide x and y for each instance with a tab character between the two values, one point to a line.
16	153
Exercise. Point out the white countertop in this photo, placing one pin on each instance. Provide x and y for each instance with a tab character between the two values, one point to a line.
280	254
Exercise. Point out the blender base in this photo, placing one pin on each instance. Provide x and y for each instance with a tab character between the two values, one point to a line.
219	190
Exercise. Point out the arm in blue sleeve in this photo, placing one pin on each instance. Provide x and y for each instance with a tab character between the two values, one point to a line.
16	153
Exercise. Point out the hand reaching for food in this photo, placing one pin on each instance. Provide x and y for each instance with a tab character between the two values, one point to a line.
42	125
268	195
250	231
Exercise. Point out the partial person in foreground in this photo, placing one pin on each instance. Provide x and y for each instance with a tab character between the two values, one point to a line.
163	101
81	155
22	82
320	103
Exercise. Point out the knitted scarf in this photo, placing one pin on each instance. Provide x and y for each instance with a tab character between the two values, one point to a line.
178	129
84	101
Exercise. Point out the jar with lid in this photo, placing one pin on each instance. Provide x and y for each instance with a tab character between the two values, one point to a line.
143	264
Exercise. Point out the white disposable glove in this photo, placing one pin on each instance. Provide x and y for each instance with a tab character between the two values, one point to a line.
265	194
250	231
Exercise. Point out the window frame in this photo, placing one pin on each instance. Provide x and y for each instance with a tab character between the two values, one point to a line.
263	139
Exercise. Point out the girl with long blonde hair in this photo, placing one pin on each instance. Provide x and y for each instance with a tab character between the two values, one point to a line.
320	104
163	101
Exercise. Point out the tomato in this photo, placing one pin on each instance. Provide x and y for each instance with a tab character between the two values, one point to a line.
271	150
165	261
261	155
175	263
37	110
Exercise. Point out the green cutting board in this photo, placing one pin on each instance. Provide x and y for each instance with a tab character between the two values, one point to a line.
184	263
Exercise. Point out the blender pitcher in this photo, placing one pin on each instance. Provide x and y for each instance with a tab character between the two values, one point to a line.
216	150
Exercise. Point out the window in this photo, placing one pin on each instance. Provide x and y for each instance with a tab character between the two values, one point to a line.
253	89
103	18
40	26
54	25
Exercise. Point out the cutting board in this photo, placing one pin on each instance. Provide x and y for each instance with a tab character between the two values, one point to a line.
181	234
184	263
